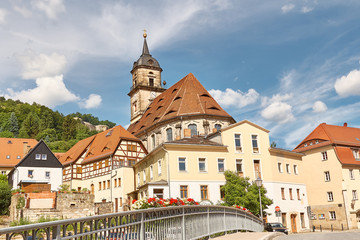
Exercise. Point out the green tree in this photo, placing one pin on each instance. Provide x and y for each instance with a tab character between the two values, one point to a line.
13	125
273	144
31	125
239	191
5	197
6	134
69	128
49	134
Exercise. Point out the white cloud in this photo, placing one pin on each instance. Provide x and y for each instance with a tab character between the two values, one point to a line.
93	101
306	9
23	11
288	79
51	7
287	8
275	98
49	91
2	15
231	98
279	112
348	85
319	106
37	66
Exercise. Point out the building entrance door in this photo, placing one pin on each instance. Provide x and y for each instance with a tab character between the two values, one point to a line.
293	223
358	219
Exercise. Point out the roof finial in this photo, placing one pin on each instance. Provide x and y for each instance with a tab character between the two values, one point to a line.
144	35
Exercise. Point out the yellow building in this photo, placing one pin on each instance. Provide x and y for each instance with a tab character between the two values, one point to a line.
332	163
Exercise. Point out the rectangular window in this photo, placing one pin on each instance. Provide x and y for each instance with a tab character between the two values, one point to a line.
222	193
3	172
99	185
94	166
138	178
255	143
37	156
324	156
151	172
78	170
283	194
204	192
115	183
332	215
351	173
8	157
43	156
221	165
302	220
257	169
296	170
183	191
30	173
104	185
108	184
47	175
330	196
159	167
287	168
106	162
239	167
144	176
119	182
238	147
290	194
356	154
202	166
327	176
354	195
182	164
298	193
280	167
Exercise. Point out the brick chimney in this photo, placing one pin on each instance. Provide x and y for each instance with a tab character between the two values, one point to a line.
345	124
25	148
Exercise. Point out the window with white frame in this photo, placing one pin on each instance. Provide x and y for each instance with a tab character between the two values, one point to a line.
254	141
287	168
47	175
330	196
3	172
30	173
296	170
324	156
354	195
356	154
169	134
332	215
43	156
327	176
144	176
238	147
153	141
159	168
221	164
351	173
239	166
151	172
202	165
37	156
182	164
280	167
193	128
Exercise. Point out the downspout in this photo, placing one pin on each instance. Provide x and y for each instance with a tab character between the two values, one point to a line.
168	168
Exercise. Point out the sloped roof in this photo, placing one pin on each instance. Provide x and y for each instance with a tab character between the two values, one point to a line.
332	134
98	146
14	147
346	156
185	98
195	140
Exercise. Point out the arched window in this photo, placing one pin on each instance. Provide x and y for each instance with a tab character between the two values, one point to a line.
153	141
193	129
169	135
218	127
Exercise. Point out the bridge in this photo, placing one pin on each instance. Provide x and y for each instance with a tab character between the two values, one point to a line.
183	222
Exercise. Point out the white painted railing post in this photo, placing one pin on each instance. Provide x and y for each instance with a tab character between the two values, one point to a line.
183	234
142	227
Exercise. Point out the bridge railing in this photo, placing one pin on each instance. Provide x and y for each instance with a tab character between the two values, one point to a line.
185	222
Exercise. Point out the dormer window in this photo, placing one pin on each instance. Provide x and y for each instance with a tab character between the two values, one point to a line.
38	156
18	157
7	156
356	154
43	156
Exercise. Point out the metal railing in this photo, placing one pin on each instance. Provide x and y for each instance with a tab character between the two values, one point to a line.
185	222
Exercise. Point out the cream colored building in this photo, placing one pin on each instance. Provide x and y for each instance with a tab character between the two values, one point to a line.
332	162
194	167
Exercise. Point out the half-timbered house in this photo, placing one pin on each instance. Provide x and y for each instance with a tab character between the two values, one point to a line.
103	165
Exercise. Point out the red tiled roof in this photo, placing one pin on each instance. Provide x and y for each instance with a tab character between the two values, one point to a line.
345	155
98	146
185	98
14	147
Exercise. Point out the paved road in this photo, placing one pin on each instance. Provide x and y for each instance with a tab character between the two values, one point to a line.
321	236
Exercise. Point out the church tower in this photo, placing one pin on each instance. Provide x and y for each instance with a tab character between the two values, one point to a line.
146	83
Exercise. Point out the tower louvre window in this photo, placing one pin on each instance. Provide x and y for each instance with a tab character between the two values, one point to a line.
171	111
174	90
177	98
214	108
151	82
205	95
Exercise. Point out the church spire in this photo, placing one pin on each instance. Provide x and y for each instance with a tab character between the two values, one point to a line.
145	46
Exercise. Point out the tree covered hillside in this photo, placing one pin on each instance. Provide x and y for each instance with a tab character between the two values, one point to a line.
22	120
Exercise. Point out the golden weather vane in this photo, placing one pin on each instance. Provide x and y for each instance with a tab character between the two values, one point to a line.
145	35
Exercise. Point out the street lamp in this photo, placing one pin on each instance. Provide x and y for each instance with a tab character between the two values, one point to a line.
258	182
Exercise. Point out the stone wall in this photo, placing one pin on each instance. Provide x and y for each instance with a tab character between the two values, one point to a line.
321	217
103	208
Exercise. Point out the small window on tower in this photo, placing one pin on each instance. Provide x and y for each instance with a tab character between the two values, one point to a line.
135	106
151	82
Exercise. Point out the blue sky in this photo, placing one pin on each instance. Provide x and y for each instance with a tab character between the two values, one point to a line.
285	65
